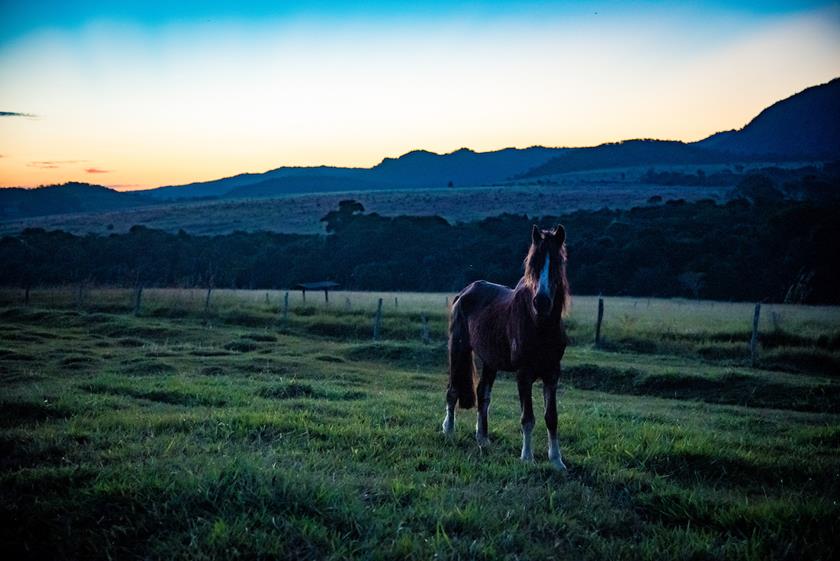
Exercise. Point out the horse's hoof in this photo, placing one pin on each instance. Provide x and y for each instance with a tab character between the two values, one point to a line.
447	430
483	441
558	464
527	459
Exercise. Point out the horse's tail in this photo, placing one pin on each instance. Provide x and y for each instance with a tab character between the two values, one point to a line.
461	369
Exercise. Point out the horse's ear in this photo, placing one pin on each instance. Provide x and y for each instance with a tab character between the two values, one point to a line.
560	234
536	235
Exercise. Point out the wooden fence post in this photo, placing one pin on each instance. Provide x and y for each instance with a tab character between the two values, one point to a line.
598	324
377	321
207	304
396	303
138	297
80	295
754	340
286	306
424	330
267	301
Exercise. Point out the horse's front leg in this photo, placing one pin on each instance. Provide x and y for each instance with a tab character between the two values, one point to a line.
449	420
485	388
524	381
550	397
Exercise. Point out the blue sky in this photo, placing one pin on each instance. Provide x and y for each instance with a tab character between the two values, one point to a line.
139	94
22	17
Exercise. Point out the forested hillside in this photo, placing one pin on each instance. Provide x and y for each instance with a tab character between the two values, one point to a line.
755	247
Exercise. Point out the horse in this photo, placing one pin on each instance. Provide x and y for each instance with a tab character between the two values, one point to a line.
517	330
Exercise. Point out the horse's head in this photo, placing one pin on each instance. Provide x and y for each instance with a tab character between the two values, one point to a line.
545	272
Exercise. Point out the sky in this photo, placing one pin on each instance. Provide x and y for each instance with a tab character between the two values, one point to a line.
141	94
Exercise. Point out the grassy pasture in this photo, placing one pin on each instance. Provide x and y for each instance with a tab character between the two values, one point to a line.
243	436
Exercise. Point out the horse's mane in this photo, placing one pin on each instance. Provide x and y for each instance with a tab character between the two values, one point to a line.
533	264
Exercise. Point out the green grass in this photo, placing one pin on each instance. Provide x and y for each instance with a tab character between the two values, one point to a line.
241	435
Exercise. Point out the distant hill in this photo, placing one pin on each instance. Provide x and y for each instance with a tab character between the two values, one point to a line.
305	178
631	153
463	167
418	168
66	198
803	126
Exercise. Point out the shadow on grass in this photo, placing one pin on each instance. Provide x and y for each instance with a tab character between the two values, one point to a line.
729	389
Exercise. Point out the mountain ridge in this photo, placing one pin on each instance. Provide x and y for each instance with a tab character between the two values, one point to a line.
802	127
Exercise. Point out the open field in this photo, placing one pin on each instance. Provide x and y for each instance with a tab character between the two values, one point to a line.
243	435
301	213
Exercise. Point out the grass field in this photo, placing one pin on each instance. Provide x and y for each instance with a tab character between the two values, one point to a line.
239	434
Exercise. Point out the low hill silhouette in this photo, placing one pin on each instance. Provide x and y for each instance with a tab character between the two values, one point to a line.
65	198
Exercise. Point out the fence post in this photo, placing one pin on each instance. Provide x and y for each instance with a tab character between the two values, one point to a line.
286	306
396	303
424	330
267	301
598	324
347	304
207	304
138	297
377	321
754	340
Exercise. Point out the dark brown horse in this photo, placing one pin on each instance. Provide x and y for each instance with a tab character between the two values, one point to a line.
519	330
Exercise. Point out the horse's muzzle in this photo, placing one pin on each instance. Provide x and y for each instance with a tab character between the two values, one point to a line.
542	305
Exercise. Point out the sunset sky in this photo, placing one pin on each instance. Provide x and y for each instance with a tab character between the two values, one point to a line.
140	94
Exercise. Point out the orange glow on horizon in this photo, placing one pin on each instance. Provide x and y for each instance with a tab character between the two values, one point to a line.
113	106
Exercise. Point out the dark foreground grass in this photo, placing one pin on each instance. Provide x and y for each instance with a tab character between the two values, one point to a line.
162	438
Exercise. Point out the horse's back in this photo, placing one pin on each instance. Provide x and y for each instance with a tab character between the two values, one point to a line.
481	294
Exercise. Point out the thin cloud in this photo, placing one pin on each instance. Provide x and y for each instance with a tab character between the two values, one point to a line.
52	164
97	170
16	114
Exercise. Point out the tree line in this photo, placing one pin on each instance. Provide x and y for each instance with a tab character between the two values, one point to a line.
750	248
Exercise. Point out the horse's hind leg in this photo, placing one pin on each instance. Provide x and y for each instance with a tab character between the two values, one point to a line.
524	382
550	397
485	387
